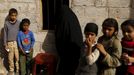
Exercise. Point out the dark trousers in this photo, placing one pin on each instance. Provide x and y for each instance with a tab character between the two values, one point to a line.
25	65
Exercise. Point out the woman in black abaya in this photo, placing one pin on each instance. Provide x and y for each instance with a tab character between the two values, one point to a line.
69	40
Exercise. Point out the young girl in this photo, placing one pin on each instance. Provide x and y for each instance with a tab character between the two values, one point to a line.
109	47
87	65
25	42
128	47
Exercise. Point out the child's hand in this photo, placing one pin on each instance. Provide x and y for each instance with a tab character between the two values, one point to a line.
127	58
101	48
31	49
88	42
89	46
124	56
130	59
6	48
22	51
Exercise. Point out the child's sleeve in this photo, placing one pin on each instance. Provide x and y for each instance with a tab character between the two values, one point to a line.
112	59
32	40
92	58
5	33
19	40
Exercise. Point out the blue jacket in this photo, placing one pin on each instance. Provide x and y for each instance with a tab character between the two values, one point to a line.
25	40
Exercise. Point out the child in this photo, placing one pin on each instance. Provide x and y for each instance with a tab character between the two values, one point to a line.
25	42
11	28
90	54
110	48
128	47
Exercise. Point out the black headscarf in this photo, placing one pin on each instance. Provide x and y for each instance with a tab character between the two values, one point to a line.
91	27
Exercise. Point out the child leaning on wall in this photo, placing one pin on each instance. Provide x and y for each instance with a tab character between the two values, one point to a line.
11	29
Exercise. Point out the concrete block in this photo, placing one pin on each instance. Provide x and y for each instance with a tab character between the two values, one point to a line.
119	3
83	2
119	13
93	12
100	3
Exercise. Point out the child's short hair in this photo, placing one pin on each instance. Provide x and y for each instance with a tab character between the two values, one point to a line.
127	23
25	20
13	10
110	22
91	27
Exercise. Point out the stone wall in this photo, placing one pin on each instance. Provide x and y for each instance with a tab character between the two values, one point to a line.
28	9
98	10
31	9
86	10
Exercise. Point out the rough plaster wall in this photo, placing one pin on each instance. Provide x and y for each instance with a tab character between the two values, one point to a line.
86	10
27	9
98	10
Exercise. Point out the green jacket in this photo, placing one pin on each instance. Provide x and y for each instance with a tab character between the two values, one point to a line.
107	65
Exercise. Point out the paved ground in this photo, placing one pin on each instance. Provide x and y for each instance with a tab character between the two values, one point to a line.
2	68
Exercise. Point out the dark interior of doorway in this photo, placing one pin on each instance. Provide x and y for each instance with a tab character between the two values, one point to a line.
49	8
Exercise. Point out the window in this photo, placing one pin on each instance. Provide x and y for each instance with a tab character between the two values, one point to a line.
49	12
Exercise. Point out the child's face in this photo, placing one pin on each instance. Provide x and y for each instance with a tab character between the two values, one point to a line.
128	33
108	31
90	36
13	17
25	26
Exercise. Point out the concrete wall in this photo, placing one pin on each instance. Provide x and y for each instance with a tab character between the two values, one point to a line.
86	10
31	9
98	10
28	9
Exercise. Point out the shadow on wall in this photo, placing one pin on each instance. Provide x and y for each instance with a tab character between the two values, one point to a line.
3	54
132	9
49	43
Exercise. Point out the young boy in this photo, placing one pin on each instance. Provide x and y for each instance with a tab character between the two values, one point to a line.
25	40
90	54
11	28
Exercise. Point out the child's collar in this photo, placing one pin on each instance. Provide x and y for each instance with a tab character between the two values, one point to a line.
26	32
12	22
107	38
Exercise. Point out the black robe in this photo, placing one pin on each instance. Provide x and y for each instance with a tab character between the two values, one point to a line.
69	40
